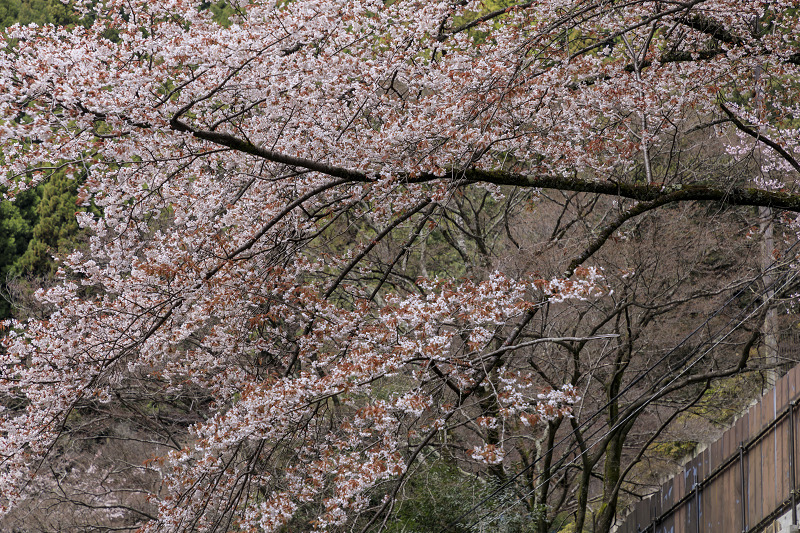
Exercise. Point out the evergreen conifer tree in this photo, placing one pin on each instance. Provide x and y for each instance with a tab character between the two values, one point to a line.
54	227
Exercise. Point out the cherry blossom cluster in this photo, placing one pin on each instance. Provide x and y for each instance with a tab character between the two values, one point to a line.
253	179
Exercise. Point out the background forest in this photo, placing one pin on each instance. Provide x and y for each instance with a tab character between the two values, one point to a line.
41	221
512	338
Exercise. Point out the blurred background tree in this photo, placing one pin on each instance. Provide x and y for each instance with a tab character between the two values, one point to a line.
36	11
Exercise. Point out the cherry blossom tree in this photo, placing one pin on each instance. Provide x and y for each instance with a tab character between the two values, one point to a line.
295	278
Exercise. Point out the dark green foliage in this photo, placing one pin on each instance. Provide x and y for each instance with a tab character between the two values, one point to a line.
440	495
37	226
17	220
222	11
55	227
36	11
435	496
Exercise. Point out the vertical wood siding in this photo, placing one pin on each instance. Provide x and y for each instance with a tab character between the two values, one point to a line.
745	475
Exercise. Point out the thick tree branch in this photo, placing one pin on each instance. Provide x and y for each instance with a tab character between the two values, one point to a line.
701	192
710	28
224	139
